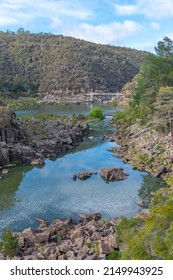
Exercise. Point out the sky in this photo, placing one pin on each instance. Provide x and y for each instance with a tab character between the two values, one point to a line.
138	24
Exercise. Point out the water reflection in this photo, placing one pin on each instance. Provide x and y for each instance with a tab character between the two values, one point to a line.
68	110
150	184
9	186
51	193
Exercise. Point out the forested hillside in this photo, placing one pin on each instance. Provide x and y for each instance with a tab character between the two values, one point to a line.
152	98
31	63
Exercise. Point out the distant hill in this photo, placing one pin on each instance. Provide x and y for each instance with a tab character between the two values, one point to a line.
31	63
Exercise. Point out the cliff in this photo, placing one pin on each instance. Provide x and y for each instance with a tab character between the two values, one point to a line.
34	138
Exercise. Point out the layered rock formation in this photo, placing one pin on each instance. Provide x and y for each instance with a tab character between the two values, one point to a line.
33	139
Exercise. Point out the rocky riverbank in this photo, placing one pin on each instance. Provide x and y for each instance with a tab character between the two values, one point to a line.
89	239
146	150
34	138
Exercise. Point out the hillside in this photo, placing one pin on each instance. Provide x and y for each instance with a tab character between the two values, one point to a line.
145	133
31	63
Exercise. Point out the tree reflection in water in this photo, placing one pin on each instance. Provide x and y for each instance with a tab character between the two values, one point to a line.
150	184
10	184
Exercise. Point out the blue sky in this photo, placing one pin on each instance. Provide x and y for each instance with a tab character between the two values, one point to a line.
138	24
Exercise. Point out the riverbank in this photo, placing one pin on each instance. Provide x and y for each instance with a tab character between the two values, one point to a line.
98	248
146	150
53	99
33	138
89	239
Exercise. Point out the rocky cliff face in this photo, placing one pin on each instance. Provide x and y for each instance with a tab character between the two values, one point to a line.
34	139
10	133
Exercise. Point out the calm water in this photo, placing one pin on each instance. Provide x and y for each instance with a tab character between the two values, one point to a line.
49	192
63	109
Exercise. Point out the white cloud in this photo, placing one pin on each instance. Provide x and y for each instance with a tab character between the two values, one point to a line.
155	25
4	20
11	12
106	33
148	8
126	9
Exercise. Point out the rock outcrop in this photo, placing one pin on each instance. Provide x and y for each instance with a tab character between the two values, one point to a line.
113	174
83	175
145	149
33	139
89	239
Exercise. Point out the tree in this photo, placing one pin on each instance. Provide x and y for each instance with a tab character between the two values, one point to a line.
20	31
9	244
164	48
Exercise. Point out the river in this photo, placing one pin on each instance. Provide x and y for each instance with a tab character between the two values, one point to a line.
49	192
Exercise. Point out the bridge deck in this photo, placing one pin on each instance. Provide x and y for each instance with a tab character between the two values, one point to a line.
103	94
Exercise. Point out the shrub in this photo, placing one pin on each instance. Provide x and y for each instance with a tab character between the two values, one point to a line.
114	255
9	244
97	113
150	238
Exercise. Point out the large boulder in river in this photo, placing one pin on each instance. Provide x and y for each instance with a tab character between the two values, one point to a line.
113	174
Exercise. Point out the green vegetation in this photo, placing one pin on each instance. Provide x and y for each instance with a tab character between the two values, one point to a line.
10	184
97	113
151	238
159	149
152	97
149	185
89	244
40	117
149	105
47	63
58	236
169	181
9	244
114	255
19	103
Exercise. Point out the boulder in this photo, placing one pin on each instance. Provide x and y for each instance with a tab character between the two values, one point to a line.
95	216
64	247
77	233
142	214
107	244
160	169
83	175
43	223
28	234
5	171
42	237
38	161
89	239
70	255
141	203
113	174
